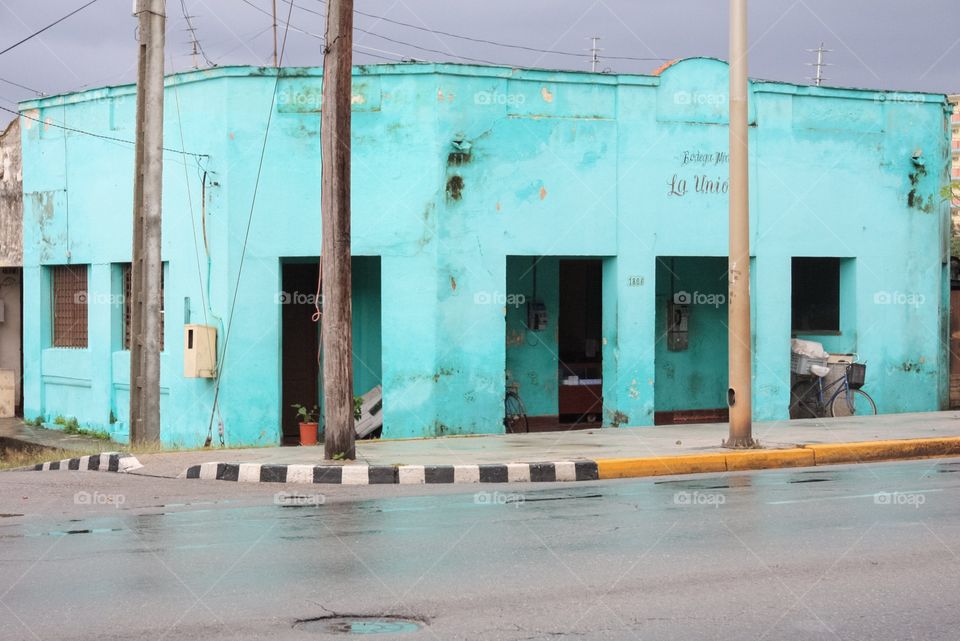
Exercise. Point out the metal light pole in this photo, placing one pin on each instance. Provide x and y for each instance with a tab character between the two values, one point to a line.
738	276
145	265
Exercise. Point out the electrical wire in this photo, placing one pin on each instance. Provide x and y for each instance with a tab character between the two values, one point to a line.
397	57
196	248
246	235
95	135
17	84
402	58
243	42
52	24
495	43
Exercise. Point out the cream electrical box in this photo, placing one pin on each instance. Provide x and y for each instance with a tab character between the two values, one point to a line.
199	351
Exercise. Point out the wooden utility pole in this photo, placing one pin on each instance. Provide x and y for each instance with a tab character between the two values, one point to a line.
336	323
738	266
145	268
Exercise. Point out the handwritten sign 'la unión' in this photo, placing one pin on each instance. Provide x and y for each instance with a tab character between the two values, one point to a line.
701	182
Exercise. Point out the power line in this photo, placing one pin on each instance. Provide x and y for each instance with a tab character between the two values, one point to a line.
394	40
404	58
399	56
243	42
555	52
222	364
52	24
17	84
94	135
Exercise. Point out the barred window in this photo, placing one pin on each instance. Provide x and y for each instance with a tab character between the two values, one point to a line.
128	309
69	294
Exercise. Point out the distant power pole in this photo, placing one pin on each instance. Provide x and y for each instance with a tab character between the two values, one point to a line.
145	267
275	63
739	349
819	64
336	321
594	53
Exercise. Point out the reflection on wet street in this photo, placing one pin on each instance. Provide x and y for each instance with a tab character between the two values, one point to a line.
860	551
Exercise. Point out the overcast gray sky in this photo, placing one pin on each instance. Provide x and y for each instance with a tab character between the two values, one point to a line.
889	44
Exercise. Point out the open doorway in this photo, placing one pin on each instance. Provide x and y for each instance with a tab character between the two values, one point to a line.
579	333
300	345
301	371
11	340
554	342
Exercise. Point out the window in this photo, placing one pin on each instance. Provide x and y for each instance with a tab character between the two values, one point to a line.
69	294
816	296
127	309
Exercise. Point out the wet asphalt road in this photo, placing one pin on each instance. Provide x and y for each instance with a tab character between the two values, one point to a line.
854	552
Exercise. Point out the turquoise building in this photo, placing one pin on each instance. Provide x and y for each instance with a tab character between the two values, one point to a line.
560	232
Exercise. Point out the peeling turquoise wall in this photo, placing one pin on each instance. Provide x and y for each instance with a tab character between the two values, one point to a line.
455	169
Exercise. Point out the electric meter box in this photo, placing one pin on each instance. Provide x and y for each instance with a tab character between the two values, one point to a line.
199	351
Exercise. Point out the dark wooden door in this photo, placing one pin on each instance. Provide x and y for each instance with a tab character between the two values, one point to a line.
300	344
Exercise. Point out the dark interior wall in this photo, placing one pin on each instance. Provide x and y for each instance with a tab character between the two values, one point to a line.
580	309
300	342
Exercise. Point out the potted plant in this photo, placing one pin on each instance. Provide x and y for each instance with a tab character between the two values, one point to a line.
308	423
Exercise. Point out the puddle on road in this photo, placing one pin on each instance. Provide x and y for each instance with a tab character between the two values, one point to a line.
359	625
96	530
693	485
555	498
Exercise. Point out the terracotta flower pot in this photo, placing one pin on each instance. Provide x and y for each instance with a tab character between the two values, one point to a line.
308	433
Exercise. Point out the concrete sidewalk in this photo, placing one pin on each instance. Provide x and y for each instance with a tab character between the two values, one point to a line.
663	444
548	456
15	434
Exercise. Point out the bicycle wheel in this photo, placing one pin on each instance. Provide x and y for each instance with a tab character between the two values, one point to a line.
852	402
805	400
514	415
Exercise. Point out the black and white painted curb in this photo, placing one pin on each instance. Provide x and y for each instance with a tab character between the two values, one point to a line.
104	462
395	474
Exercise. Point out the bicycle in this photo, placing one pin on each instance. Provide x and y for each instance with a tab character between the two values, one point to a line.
514	411
844	394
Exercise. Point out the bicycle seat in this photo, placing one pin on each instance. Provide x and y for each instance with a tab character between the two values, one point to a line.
819	370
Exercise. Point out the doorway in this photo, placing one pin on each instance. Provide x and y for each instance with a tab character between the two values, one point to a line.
300	345
579	342
11	340
554	351
301	371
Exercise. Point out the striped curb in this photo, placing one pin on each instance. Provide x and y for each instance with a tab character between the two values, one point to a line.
810	455
395	474
104	462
